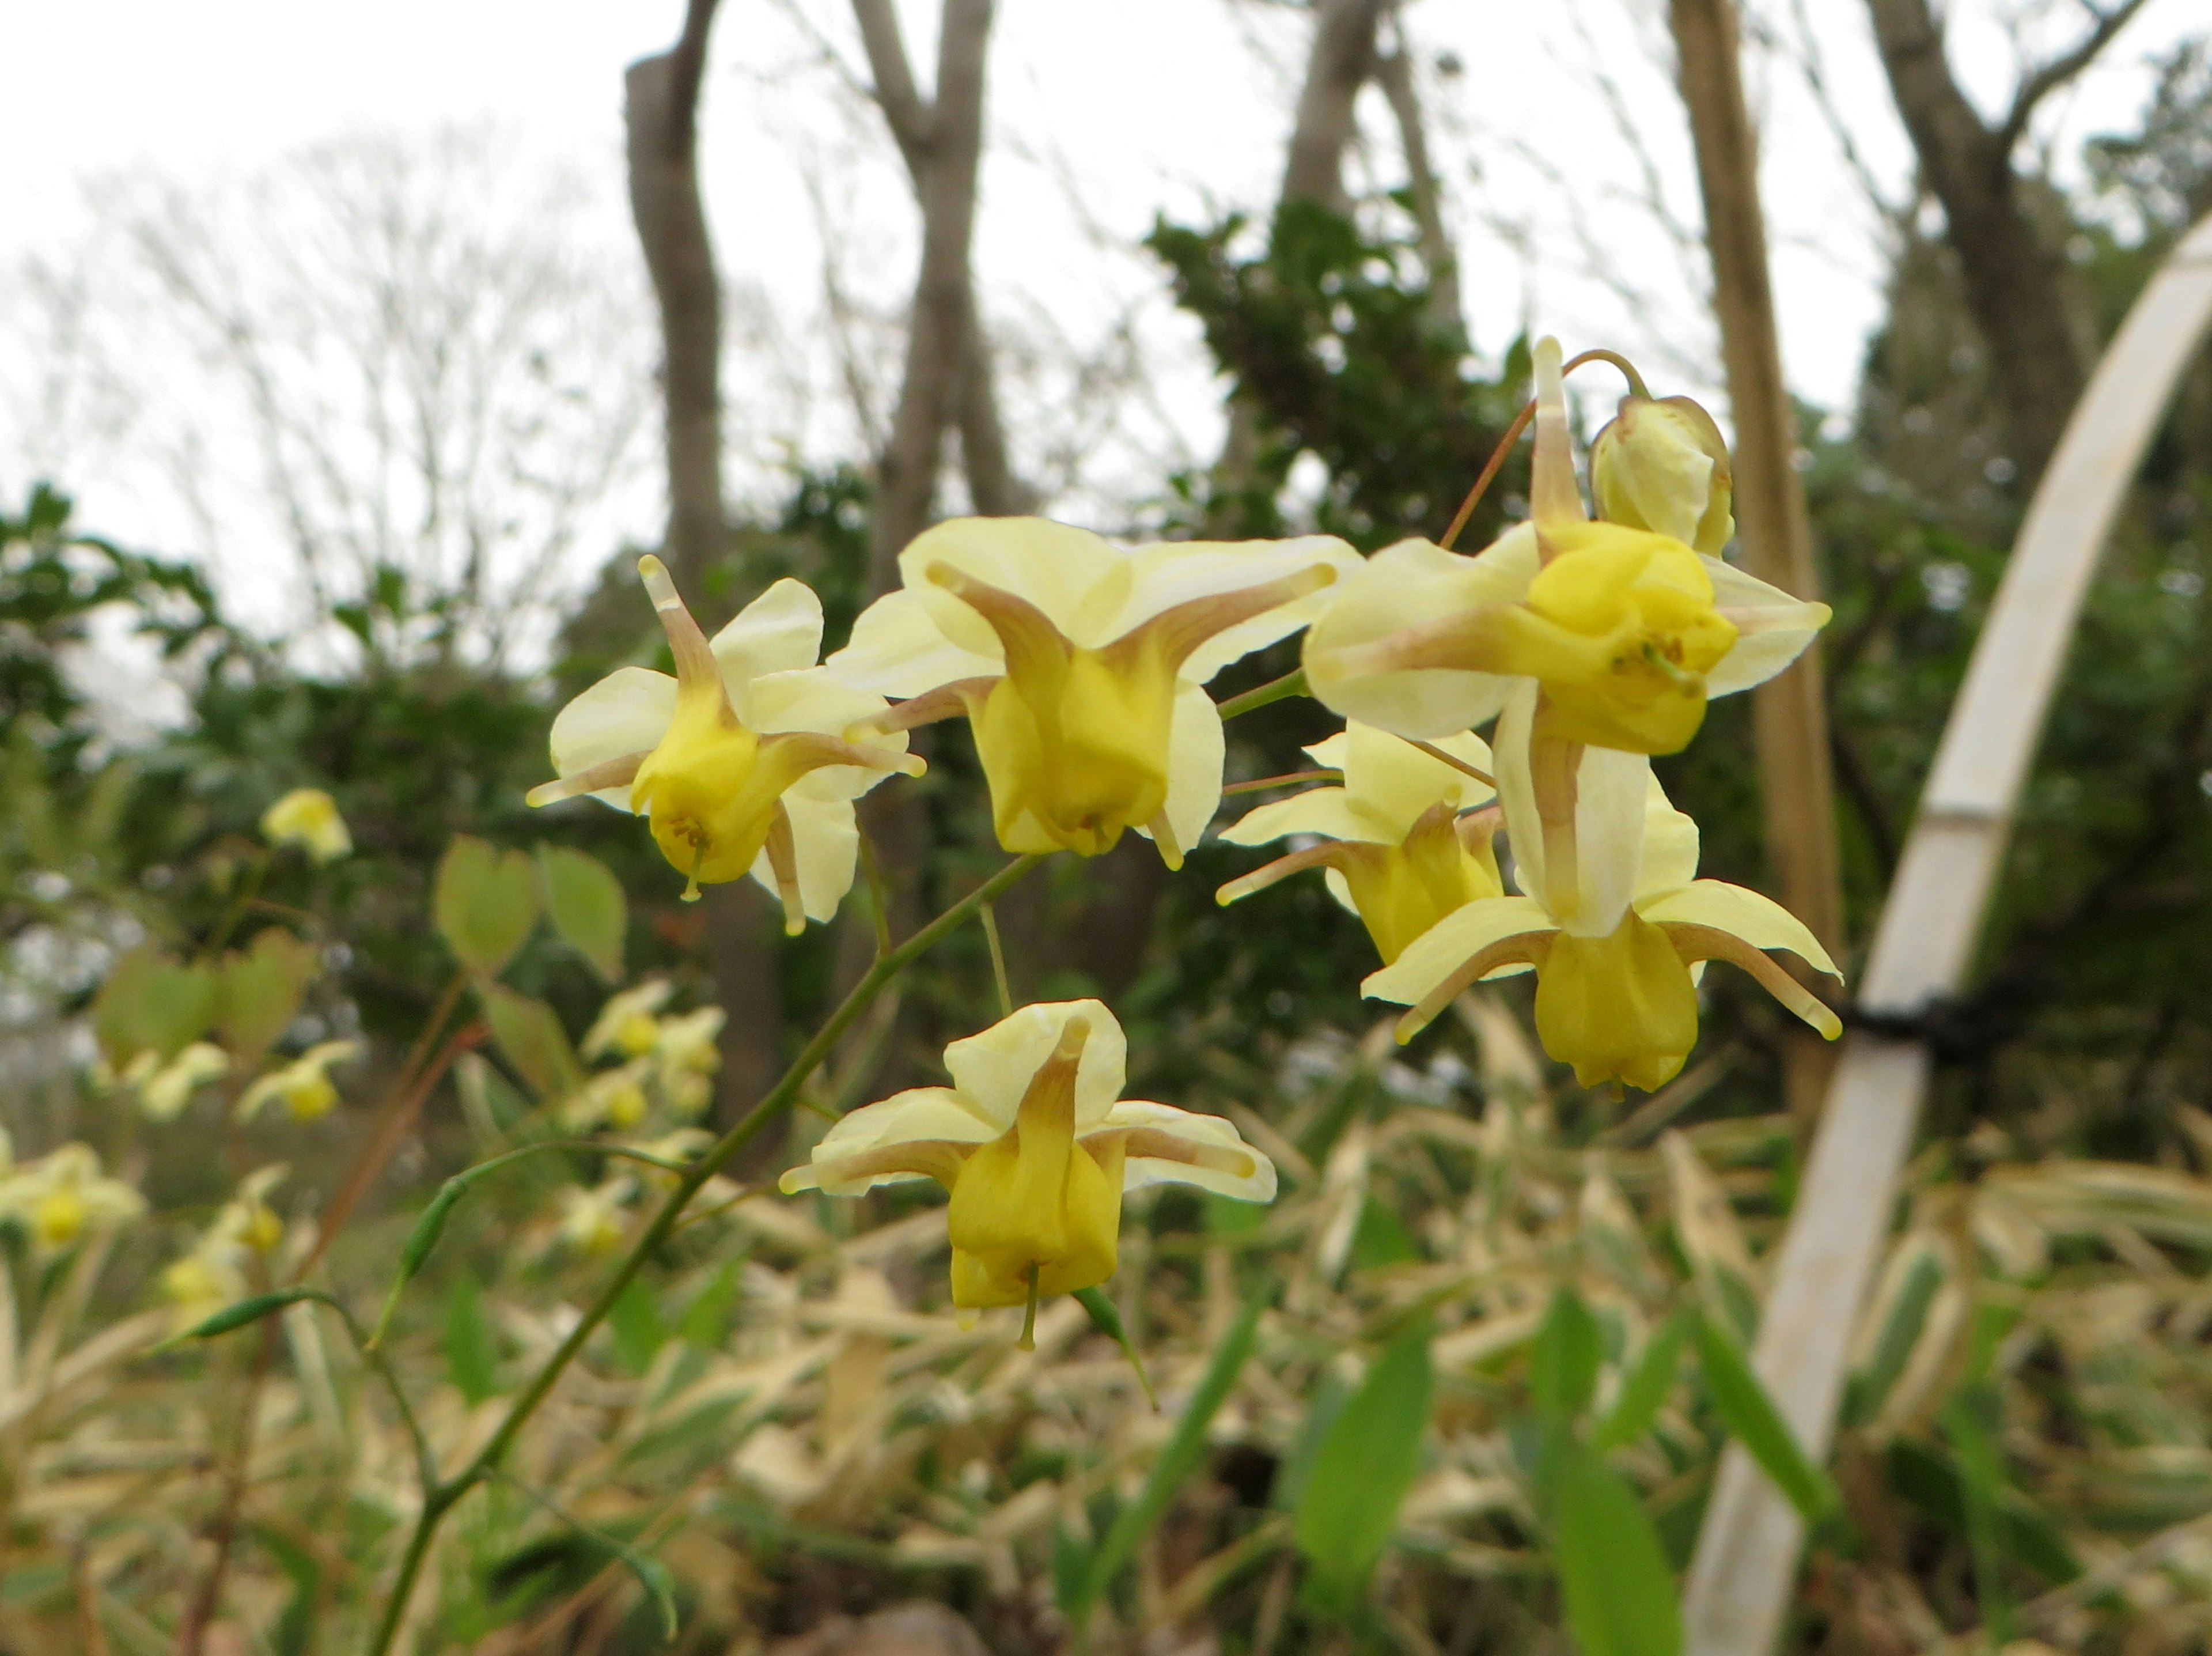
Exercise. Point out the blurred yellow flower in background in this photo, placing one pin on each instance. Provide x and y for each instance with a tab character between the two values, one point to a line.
1403	842
1081	666
1037	1147
304	1085
307	818
164	1089
739	762
63	1194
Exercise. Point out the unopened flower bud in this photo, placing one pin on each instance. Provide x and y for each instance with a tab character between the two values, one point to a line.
1660	465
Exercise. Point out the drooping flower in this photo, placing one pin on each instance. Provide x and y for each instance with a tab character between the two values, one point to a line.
1081	666
307	818
211	1274
1661	464
1629	631
1402	842
304	1085
627	1024
686	1057
1037	1147
740	763
64	1194
164	1089
1614	922
592	1221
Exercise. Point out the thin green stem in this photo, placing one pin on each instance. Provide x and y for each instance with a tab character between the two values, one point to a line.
990	919
1293	683
438	1501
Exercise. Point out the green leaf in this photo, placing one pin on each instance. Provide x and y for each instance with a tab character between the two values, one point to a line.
233	1318
707	1320
486	903
1365	1464
1563	1361
429	1226
1185	1449
587	906
1108	1321
259	991
1381	1239
1893	1347
639	1330
1615	1580
660	1585
1750	1416
1971	1420
529	1033
151	1002
1645	1390
472	1355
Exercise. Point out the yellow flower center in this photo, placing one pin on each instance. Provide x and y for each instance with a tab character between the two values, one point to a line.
310	1096
1034	1212
58	1218
1618	1008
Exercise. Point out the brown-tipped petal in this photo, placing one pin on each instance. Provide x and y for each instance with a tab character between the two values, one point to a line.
1163	835
802	750
1034	646
1152	1144
607	773
1555	771
1323	855
1478	829
1524	949
1553	499
783	863
696	668
958	699
1175	633
937	1159
1696	943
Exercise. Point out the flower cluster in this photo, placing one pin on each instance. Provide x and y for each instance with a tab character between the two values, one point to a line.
1589	644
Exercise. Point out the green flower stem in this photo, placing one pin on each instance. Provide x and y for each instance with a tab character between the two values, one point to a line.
440	1498
1293	683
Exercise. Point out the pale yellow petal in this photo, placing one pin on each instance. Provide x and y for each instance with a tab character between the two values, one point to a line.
1670	845
817	699
1079	580
1404	585
898	649
1451	943
1773	628
1610	805
626	712
1328	752
780	631
1196	749
1325	811
919	1114
1390	778
993	1067
825	845
1759	921
1172	573
1254	1182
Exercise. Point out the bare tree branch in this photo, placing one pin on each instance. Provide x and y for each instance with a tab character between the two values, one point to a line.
2043	82
1394	72
912	122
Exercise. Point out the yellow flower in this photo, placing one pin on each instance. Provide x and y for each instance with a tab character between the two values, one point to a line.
739	763
62	1195
627	1023
1037	1147
308	818
1629	631
1660	465
1615	922
211	1274
164	1089
591	1220
304	1084
1081	666
1402	841
687	1054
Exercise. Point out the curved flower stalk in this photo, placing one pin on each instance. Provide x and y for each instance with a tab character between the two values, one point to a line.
740	763
64	1194
1616	934
304	1085
1630	631
1081	666
1404	840
1037	1147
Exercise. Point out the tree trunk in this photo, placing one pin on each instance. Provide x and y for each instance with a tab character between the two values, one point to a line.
2013	283
661	101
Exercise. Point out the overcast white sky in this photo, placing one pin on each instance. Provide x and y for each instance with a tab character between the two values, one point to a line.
1100	116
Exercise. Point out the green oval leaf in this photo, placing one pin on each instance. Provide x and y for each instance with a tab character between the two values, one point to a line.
485	902
1615	1580
1367	1460
587	906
